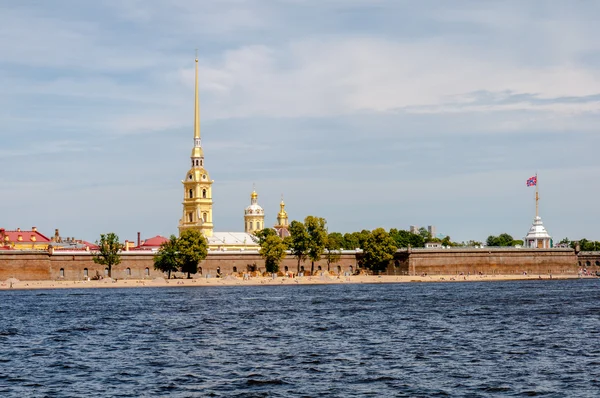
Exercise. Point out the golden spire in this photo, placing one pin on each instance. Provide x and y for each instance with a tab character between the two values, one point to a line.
196	104
197	152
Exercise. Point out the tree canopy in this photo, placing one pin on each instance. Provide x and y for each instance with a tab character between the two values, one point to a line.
502	240
272	249
193	248
378	250
317	237
168	259
333	247
108	253
298	242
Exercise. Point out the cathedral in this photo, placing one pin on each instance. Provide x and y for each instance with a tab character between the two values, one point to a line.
197	202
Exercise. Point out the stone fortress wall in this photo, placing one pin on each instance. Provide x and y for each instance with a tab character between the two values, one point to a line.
32	265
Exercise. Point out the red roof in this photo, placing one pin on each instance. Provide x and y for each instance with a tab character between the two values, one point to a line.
13	236
92	246
154	242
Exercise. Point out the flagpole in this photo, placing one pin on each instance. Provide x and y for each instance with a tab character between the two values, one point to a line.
537	197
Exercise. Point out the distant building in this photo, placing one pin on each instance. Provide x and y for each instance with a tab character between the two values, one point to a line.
282	226
537	237
432	230
433	245
197	202
23	239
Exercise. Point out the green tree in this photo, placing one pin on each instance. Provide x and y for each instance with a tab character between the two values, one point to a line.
298	243
263	234
351	241
272	250
447	242
379	250
403	238
108	253
333	248
193	248
502	240
167	259
317	237
424	233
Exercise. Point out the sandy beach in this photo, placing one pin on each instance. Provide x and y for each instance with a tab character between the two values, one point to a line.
264	281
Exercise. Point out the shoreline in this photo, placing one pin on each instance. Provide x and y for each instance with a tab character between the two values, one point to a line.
268	281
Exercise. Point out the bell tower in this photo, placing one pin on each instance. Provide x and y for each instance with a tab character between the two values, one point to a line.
197	186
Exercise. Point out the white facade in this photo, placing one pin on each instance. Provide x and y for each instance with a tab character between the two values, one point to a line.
538	237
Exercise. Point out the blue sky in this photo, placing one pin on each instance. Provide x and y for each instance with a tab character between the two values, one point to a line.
370	113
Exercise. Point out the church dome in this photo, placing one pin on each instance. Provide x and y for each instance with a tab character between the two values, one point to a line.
254	208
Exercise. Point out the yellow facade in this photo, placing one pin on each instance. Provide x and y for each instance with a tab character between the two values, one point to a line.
254	215
197	186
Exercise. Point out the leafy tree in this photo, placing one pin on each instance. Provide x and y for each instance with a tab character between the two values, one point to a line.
424	233
333	247
287	241
447	242
362	237
108	252
351	241
298	243
317	237
379	250
193	248
272	250
263	234
502	240
168	259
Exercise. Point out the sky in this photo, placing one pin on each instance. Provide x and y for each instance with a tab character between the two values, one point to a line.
369	113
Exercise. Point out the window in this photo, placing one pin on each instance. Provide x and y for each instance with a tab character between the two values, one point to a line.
85	272
251	225
234	269
196	162
190	177
147	271
191	192
257	225
128	272
205	217
204	193
201	162
62	272
191	216
200	270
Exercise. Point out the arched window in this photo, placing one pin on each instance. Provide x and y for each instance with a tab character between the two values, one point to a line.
191	193
200	270
205	217
191	216
147	271
128	271
85	272
597	263
319	268
234	269
286	268
204	193
62	272
196	162
201	162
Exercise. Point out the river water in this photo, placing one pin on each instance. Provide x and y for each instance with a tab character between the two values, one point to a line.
523	338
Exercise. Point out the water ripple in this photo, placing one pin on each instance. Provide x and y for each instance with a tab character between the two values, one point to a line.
414	340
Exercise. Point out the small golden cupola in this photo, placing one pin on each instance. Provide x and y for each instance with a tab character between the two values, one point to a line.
254	215
282	226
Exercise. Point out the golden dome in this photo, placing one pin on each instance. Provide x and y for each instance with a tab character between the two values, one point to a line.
254	195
